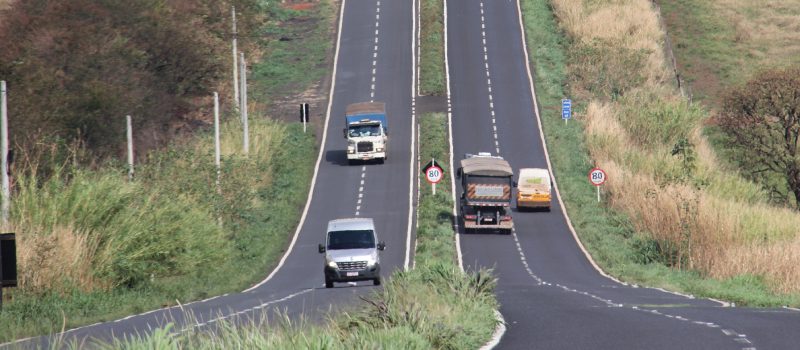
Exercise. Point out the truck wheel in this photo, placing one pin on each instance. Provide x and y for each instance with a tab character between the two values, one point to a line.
328	284
351	162
376	281
381	160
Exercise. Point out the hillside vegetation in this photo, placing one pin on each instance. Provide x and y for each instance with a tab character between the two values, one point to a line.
76	68
688	211
722	43
94	246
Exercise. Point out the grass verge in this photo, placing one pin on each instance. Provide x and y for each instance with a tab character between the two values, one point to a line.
94	247
433	306
431	68
614	237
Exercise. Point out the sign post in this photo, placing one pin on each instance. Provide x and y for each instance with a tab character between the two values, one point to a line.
434	174
566	110
597	177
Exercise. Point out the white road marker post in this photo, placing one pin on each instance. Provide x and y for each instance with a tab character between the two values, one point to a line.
243	110
235	59
216	136
6	204
217	149
129	128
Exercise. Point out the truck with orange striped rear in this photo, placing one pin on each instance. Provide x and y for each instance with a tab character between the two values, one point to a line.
487	183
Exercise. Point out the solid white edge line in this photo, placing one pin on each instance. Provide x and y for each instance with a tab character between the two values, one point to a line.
547	154
450	137
498	332
319	157
550	166
411	169
500	329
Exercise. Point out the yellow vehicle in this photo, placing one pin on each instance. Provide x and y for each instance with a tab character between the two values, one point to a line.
533	190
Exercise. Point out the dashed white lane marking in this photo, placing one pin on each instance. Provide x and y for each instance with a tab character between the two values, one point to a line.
200	323
371	95
737	337
361	190
741	338
489	80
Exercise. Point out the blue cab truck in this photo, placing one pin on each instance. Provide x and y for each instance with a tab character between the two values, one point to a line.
366	131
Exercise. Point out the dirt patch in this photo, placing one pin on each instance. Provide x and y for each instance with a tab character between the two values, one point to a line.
301	6
431	104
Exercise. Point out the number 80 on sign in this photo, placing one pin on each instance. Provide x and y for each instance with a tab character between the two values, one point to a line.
434	174
597	176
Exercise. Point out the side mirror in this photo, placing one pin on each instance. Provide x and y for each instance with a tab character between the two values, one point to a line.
321	248
344	132
458	173
514	183
381	246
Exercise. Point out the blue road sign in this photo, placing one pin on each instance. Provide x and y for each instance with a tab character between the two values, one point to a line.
566	108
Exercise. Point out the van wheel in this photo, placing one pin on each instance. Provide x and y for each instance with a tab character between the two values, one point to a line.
376	282
328	284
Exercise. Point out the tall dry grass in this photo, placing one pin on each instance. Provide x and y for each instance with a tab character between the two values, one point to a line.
694	213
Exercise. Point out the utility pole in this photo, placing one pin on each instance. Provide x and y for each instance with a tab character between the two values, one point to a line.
235	59
130	147
243	109
4	152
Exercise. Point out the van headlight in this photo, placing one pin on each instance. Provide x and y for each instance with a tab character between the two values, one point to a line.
371	261
333	264
351	149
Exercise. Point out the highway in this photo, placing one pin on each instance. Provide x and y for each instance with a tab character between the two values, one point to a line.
374	62
551	294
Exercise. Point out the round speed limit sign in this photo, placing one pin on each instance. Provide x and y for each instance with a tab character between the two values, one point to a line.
434	174
597	176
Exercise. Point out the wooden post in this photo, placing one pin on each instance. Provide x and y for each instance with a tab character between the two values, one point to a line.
130	147
6	202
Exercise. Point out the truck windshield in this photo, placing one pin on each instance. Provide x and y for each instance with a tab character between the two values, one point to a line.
364	130
351	239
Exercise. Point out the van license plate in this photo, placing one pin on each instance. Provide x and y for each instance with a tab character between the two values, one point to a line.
351	274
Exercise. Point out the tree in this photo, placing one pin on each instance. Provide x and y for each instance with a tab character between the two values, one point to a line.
762	122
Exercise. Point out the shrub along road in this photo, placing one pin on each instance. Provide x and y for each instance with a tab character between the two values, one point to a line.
550	294
374	62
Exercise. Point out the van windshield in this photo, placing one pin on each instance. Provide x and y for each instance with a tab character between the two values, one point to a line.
351	239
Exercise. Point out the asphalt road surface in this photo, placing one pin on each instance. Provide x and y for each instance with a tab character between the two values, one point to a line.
375	62
551	295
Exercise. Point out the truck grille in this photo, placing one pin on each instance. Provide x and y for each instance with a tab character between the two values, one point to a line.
364	146
352	265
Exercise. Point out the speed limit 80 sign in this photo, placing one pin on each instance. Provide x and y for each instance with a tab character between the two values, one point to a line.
434	174
597	176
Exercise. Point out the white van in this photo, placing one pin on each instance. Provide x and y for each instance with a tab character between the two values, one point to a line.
351	252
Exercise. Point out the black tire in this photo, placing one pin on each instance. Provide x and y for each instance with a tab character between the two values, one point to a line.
328	284
376	281
351	162
381	160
